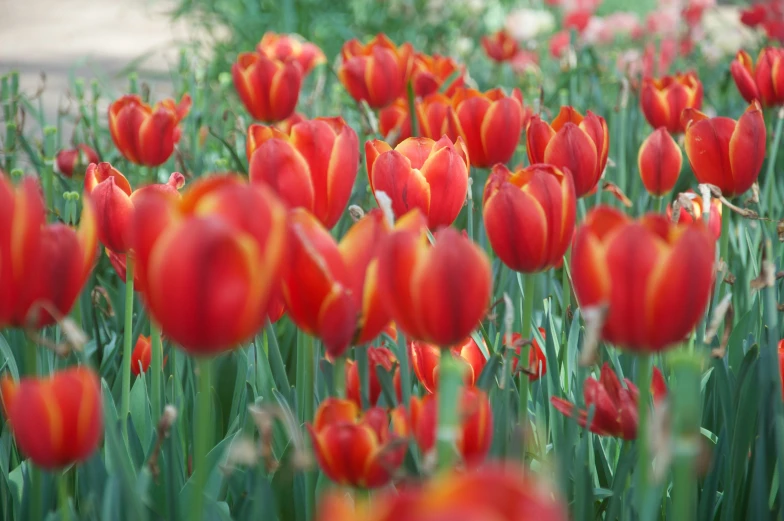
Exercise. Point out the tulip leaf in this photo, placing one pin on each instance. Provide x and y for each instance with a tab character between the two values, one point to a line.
487	377
140	412
387	385
7	360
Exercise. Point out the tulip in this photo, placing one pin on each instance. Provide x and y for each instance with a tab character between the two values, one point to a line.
376	72
286	125
432	114
764	83
529	215
285	47
330	289
394	122
210	261
146	135
664	99
56	420
537	361
655	277
269	88
353	448
571	142
421	173
500	46
425	360
714	220
377	357
615	407
725	152
312	167
489	123
118	262
659	160
437	294
429	74
70	160
43	268
142	355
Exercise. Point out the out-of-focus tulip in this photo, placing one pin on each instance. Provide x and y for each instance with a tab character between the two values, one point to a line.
559	44
353	448
765	82
118	262
269	88
579	144
529	215
76	159
430	72
437	294
146	135
654	277
56	420
285	47
425	359
113	197
394	122
725	152
433	119
376	72
615	406
659	160
210	261
663	100
312	167
377	357
42	267
537	361
421	173
331	289
500	46
141	356
714	221
490	123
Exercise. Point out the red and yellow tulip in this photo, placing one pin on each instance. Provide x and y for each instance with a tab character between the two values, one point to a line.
664	99
75	159
714	220
763	82
500	46
659	160
432	119
268	87
377	357
376	72
425	359
429	73
285	47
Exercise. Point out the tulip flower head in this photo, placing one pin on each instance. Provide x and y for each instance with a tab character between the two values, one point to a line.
695	213
537	361
146	135
664	99
765	82
75	159
268	87
430	74
500	46
659	160
433	119
142	355
378	357
285	47
426	358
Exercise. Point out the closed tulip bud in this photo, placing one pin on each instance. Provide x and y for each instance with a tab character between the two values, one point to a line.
76	159
268	87
56	420
354	448
663	100
725	152
210	261
571	142
285	47
490	123
714	220
500	46
146	135
537	361
429	74
331	290
437	294
378	357
529	215
376	72
425	360
765	82
43	268
313	167
659	160
421	173
616	260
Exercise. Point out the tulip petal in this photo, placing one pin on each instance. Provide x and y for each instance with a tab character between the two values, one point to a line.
406	187
747	149
278	164
572	148
447	177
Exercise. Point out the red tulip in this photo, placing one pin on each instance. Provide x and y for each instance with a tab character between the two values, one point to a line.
437	294
56	420
377	357
376	72
500	46
714	220
421	173
725	152
659	160
425	359
312	167
537	361
285	47
146	135
571	142
654	276
75	159
559	44
765	82
429	74
432	114
269	88
664	99
529	215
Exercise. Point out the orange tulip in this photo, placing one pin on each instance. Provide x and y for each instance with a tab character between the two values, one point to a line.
529	215
376	72
432	114
765	82
56	420
146	135
312	167
500	46
489	123
537	361
659	160
579	144
725	152
654	276
76	159
421	173
43	268
437	294
430	73
210	261
377	357
714	220
268	87
141	356
353	448
285	47
664	99
331	289
425	360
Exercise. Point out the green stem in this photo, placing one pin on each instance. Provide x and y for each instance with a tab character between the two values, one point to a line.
125	400
31	358
202	431
363	366
412	110
36	504
306	381
643	450
275	358
687	430
724	239
658	204
527	282
63	498
770	190
339	376
405	372
448	412
156	371
50	145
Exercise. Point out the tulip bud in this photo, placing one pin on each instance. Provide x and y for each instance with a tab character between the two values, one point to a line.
72	160
765	82
659	160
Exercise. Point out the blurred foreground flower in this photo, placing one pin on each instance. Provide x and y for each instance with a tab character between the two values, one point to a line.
765	82
268	87
425	359
376	72
664	99
659	161
75	159
286	47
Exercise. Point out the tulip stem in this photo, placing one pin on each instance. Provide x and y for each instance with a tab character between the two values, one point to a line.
449	383
306	381
687	436
658	204
405	371
50	146
363	366
156	371
62	492
527	283
125	405
31	358
36	499
412	110
339	376
202	438
643	449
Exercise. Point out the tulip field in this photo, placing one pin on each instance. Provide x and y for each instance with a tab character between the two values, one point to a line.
406	260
